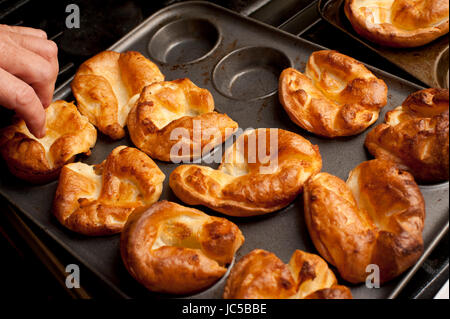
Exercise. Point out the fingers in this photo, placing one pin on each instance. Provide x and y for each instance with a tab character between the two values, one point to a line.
24	30
28	71
28	64
20	97
49	51
45	48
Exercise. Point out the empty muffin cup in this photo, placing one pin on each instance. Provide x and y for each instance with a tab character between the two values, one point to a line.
184	41
441	71
250	73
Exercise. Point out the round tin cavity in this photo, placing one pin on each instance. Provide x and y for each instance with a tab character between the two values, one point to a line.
431	186
250	73
184	41
441	70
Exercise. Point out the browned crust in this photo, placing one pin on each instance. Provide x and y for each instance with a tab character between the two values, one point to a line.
419	143
253	193
178	269
428	102
95	93
349	112
262	275
376	218
138	71
108	213
395	36
157	142
26	157
335	292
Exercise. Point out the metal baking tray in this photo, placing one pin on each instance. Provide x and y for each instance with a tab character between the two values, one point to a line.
239	60
427	63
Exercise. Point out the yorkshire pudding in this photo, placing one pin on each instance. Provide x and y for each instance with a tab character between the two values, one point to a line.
179	250
40	160
262	172
174	121
399	23
377	218
262	275
97	200
107	85
337	95
415	136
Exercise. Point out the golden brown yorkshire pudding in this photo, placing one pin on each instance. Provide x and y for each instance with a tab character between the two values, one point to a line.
97	200
415	136
377	218
174	249
107	85
399	23
262	172
337	95
174	121
262	275
40	160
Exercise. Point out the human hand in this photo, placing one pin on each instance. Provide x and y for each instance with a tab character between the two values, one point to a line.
28	71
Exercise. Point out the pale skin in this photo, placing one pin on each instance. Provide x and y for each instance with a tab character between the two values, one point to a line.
28	71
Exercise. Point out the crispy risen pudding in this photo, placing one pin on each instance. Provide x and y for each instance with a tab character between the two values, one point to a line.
96	200
259	174
415	136
68	134
175	121
174	249
399	23
377	217
336	96
262	275
107	85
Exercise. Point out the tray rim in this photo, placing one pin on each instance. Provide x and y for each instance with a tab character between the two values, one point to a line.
64	89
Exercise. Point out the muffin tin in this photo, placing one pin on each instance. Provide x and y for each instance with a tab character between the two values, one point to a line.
239	60
428	63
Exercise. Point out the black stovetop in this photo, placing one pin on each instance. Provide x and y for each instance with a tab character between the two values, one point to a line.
102	23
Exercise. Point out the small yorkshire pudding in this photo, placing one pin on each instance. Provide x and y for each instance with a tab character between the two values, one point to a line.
399	23
262	172
68	133
174	249
415	136
262	275
376	218
174	121
107	85
337	95
97	200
